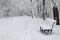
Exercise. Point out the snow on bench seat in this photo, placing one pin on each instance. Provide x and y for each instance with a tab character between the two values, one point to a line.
48	23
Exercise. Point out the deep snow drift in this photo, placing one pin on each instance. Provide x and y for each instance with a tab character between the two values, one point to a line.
25	28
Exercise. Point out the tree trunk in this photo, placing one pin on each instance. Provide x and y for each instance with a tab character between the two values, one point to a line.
43	9
56	14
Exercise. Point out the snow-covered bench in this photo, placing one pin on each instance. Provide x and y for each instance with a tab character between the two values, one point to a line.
47	25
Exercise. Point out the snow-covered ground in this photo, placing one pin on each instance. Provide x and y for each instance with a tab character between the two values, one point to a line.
25	28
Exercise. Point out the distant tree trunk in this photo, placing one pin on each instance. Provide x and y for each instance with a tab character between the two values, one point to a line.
43	9
56	14
31	0
31	9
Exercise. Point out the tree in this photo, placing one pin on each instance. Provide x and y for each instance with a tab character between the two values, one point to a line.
56	13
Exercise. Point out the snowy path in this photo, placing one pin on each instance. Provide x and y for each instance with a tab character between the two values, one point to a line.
24	28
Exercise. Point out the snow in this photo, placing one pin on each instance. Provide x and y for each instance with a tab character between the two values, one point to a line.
25	28
48	23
